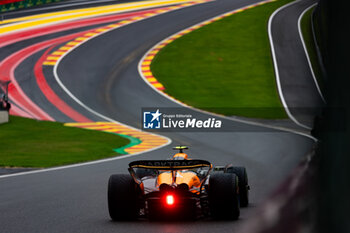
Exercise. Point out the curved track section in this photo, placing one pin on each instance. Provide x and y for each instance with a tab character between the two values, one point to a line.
296	84
102	74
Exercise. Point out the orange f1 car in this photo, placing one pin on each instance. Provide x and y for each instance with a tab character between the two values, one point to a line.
177	188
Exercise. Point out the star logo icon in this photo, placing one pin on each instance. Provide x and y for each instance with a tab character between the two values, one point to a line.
156	115
152	119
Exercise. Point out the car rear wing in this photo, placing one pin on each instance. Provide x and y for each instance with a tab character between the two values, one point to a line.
171	165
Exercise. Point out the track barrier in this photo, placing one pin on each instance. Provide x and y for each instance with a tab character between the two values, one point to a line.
11	5
292	206
4	103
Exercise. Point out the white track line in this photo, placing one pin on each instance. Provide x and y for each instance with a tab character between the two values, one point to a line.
280	92
80	164
306	52
206	112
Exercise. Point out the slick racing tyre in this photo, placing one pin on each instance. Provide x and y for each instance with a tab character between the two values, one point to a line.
122	198
223	196
242	183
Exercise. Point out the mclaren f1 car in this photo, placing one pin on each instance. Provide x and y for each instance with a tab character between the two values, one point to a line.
178	188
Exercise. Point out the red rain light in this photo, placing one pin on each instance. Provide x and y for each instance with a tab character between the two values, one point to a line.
170	199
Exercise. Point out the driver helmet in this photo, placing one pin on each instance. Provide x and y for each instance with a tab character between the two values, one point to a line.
180	156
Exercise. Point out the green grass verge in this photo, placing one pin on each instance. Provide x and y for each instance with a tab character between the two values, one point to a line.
306	30
225	67
31	143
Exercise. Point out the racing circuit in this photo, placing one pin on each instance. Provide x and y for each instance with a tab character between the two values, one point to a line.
86	69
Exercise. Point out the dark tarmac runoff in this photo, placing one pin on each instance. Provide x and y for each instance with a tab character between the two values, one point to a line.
103	74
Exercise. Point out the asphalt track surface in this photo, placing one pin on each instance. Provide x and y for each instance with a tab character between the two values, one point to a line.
297	83
103	74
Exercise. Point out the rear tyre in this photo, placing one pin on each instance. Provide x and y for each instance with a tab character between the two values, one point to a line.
242	184
223	196
123	201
